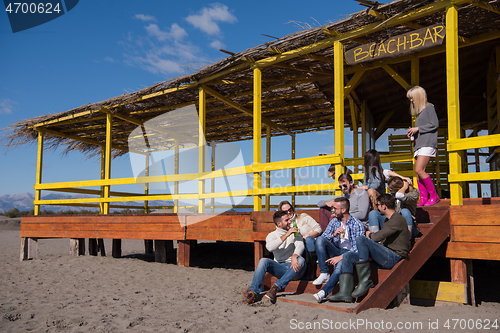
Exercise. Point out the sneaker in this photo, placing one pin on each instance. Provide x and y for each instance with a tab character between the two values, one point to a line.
319	296
322	278
249	297
271	294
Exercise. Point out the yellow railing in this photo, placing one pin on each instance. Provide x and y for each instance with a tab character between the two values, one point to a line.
273	166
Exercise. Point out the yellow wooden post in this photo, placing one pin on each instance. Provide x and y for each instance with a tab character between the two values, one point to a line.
201	147
338	93
257	135
268	160
212	181
146	185
107	166
415	79
176	171
363	126
453	99
293	170
103	166
355	134
39	162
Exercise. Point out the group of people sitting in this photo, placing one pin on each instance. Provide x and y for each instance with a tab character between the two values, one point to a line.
365	222
347	235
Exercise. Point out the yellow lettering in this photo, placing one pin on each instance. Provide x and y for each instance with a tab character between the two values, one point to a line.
380	49
401	44
428	35
359	54
372	49
389	44
415	41
437	31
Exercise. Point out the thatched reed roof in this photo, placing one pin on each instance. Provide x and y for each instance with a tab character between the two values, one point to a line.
298	92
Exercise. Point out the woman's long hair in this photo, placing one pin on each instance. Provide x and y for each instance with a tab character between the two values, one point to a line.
418	99
372	165
395	184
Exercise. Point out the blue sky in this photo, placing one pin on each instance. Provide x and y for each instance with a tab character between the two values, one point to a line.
102	49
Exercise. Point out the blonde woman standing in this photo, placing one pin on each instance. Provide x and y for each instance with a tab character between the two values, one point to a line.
425	134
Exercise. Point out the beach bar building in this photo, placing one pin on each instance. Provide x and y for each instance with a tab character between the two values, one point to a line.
351	73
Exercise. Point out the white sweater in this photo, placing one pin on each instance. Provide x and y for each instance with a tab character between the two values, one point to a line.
283	251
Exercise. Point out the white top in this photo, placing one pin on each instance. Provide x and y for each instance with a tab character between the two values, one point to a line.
344	241
283	251
306	224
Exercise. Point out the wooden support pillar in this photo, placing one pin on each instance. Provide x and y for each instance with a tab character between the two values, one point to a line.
160	251
117	248
452	76
268	160
183	252
100	244
258	248
29	248
461	272
29	245
338	92
77	246
148	246
363	127
92	247
257	135
202	110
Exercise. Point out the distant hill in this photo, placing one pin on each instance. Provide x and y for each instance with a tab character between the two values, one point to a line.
24	202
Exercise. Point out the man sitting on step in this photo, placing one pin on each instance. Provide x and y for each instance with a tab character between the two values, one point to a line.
395	235
338	239
287	265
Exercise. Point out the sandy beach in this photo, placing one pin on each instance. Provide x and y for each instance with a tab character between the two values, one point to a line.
60	293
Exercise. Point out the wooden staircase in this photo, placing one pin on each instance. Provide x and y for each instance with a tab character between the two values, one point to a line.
434	224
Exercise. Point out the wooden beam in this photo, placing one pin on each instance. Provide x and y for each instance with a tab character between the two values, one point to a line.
485	5
381	127
399	79
355	80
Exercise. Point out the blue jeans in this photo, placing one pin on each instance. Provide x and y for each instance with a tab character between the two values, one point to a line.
334	278
310	244
325	250
381	255
283	271
377	219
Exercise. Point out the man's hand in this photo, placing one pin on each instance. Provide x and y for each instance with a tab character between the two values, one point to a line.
338	231
334	261
367	233
295	263
330	203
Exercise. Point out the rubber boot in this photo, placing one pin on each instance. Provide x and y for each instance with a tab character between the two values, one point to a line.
364	272
374	228
433	197
346	284
423	193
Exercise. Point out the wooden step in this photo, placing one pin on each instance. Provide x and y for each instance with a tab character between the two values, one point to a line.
383	293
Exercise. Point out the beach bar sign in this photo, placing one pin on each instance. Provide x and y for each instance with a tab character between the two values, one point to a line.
410	42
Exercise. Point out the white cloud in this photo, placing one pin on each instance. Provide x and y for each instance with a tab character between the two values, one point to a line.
207	20
7	105
175	33
155	64
145	18
217	44
109	59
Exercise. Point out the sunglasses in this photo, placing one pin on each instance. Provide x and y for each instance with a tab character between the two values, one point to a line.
344	186
289	210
